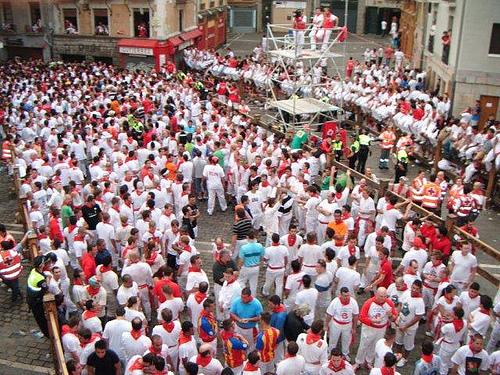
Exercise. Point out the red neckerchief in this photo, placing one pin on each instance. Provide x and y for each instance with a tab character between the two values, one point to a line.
42	236
387	371
232	280
186	248
311	338
346	215
332	367
292	238
136	334
389	207
70	229
88	314
473	351
416	294
183	338
344	301
65	329
152	258
427	357
250	367
410	271
275	244
352	250
94	337
203	361
338	196
279	308
77	282
93	291
265	183
484	311
137	365
288	355
199	297
194	269
154	351
104	268
458	324
169	327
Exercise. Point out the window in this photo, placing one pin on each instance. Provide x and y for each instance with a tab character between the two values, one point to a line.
101	22
212	4
141	23
70	17
495	40
221	2
35	17
6	18
202	6
181	20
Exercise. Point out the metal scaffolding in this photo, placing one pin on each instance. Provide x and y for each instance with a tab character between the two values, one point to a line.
295	99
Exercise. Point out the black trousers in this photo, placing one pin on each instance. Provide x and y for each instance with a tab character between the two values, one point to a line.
39	315
362	157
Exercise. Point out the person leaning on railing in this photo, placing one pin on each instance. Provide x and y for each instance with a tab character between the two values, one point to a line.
37	286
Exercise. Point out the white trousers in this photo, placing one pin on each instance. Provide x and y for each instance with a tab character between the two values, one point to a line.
298	37
284	223
368	340
247	333
312	36
275	277
146	304
321	232
250	274
342	332
211	199
326	39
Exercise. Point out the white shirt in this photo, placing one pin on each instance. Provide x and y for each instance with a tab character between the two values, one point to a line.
310	255
462	266
169	338
349	278
381	349
344	255
187	350
140	272
195	278
343	313
419	255
469	304
312	353
464	355
71	344
214	367
307	297
213	174
410	308
94	324
480	322
390	217
131	347
291	366
294	284
125	293
195	309
113	334
275	257
175	304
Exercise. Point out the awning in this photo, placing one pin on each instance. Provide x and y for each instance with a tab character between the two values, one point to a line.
191	35
138	42
175	41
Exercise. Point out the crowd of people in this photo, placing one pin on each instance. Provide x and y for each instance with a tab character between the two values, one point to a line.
116	166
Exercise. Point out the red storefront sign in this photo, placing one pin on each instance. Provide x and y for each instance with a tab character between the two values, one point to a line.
139	47
221	29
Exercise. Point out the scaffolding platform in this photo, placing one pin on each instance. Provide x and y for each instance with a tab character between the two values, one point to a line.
303	106
306	54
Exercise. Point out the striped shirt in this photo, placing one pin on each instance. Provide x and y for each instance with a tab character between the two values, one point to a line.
10	264
242	228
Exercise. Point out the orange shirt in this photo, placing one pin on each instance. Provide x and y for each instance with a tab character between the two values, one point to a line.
340	231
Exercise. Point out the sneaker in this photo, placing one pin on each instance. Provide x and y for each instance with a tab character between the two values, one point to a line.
401	362
429	334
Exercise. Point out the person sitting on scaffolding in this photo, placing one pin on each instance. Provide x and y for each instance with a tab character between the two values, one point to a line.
299	27
317	32
329	22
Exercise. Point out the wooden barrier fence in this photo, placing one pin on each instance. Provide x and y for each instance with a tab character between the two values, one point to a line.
49	306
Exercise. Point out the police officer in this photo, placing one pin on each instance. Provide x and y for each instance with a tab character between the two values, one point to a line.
401	167
352	154
364	150
36	288
338	147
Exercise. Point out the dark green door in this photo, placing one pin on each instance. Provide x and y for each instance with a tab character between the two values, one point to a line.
372	20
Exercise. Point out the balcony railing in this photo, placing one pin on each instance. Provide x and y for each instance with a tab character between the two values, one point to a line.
8	28
33	29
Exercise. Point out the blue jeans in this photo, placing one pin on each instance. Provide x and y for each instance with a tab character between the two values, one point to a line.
199	187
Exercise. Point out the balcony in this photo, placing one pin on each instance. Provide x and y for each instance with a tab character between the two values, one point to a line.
33	29
8	29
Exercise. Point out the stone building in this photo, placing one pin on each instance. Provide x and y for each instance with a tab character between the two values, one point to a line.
133	33
462	52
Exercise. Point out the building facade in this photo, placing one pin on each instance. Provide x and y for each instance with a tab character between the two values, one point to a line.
462	52
132	33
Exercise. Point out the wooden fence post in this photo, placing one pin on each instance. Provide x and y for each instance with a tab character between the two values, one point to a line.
50	309
491	184
33	246
450	222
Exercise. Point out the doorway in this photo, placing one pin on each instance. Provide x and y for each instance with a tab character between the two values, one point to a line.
489	107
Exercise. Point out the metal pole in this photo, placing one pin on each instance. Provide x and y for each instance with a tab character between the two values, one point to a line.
346	12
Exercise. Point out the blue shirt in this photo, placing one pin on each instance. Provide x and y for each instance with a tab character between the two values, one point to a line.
278	321
246	311
251	253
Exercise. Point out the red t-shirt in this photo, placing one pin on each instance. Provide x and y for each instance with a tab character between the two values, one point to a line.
158	289
386	270
442	244
429	232
329	129
88	265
